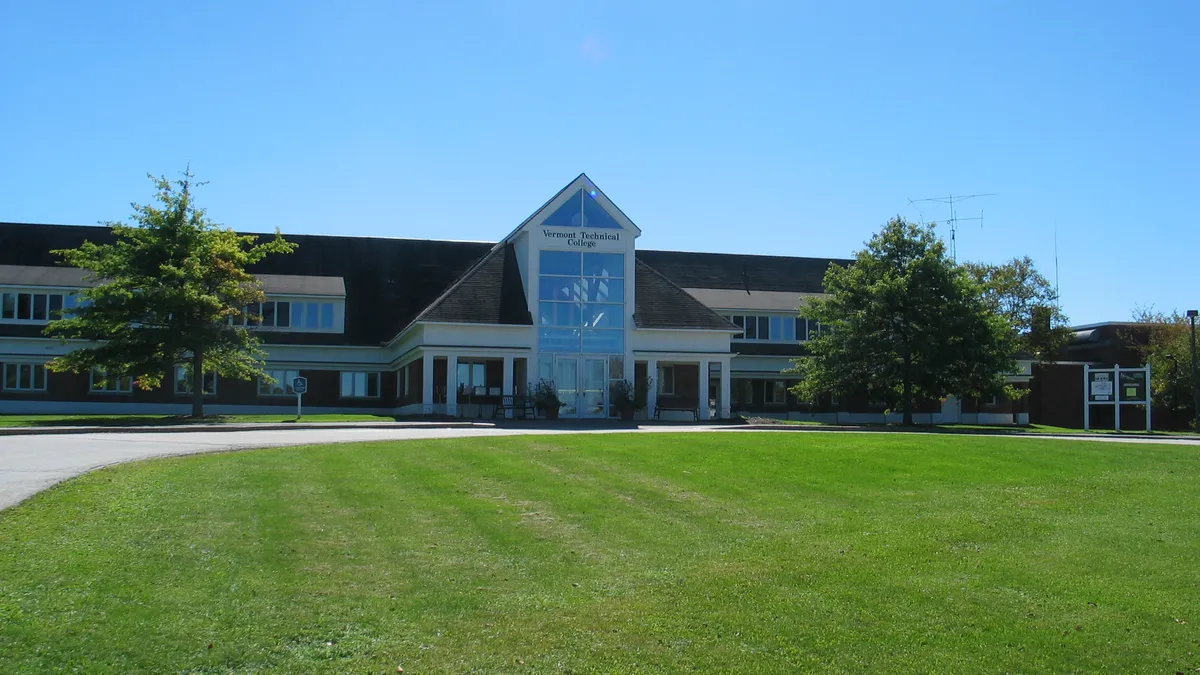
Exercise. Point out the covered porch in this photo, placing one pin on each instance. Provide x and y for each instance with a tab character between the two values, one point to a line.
685	386
469	383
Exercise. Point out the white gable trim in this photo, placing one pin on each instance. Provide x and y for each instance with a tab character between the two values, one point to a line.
581	182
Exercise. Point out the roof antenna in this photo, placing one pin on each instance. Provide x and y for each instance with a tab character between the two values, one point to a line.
1056	295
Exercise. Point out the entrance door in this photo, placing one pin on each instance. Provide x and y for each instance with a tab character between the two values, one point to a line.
566	378
593	392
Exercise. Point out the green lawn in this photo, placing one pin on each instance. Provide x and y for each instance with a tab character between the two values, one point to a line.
156	420
722	552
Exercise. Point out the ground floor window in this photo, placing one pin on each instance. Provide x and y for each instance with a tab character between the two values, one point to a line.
472	377
360	385
24	377
776	392
282	386
183	381
101	383
666	380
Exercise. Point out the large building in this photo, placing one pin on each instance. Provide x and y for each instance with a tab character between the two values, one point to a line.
423	327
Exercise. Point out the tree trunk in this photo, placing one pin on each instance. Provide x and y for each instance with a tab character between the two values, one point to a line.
908	398
198	384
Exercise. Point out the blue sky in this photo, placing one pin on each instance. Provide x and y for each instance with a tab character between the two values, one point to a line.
789	128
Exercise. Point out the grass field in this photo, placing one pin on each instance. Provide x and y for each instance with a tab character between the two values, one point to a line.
720	552
160	420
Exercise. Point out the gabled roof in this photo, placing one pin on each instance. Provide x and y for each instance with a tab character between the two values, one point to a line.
662	304
490	292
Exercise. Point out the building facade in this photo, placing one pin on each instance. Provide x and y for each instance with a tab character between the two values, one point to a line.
428	327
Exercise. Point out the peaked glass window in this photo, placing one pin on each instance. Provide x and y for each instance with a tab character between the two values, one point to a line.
582	210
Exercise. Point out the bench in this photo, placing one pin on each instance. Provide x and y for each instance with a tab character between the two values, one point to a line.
516	404
678	405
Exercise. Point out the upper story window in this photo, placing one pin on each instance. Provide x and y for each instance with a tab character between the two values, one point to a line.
581	302
32	307
772	328
582	210
291	315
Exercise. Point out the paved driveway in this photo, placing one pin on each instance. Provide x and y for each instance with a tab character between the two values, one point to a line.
30	464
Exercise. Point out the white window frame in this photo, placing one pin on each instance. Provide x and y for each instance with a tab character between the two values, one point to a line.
117	385
181	387
17	368
769	394
366	384
283	378
67	302
320	304
662	380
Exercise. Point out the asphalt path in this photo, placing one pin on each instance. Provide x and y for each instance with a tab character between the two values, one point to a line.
30	464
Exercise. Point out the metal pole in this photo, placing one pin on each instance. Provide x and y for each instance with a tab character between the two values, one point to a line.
298	409
1117	397
1195	374
1087	400
1149	399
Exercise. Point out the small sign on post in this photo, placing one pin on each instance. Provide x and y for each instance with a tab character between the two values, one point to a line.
300	386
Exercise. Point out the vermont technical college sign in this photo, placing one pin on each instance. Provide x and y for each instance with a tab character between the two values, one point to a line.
581	238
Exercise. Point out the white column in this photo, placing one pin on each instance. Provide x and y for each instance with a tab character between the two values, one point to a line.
652	391
704	409
507	385
452	385
427	384
726	389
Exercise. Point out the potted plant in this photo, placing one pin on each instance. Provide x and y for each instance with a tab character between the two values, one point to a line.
545	398
630	397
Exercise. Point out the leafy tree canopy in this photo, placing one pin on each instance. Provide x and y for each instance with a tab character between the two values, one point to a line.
1019	293
1164	341
165	293
905	323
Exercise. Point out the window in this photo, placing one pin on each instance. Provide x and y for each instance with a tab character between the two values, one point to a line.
360	385
183	381
297	316
666	380
776	392
773	328
101	383
24	377
581	302
471	375
282	386
33	307
582	210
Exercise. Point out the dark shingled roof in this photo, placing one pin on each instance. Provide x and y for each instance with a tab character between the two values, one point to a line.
388	281
391	282
744	272
490	292
662	304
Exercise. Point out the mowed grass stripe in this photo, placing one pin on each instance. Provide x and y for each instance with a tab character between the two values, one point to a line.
615	553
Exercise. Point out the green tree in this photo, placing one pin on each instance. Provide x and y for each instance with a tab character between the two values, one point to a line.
905	323
1019	293
164	296
1164	341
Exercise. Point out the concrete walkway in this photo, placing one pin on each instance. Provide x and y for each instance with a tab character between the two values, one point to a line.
30	464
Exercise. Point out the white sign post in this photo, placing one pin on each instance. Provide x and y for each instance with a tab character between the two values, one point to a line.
1115	386
300	386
